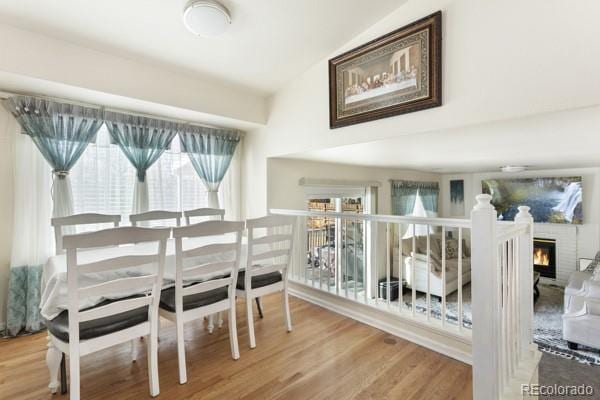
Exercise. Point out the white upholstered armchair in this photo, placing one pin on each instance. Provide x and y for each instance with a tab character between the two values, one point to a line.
581	320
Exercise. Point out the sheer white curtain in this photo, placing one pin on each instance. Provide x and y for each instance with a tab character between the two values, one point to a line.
32	239
103	179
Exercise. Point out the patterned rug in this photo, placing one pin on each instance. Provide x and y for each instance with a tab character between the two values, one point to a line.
547	321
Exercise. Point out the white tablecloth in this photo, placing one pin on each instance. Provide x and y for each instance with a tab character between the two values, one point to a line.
54	282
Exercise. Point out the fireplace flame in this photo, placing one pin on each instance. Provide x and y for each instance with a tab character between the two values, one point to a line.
541	257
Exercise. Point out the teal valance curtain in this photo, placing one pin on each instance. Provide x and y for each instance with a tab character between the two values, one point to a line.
404	196
143	140
210	150
61	132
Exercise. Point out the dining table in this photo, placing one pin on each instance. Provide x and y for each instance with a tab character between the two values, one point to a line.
54	298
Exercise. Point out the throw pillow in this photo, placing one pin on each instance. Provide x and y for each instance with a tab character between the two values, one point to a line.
451	249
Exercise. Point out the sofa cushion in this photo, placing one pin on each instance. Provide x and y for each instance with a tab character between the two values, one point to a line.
59	326
167	298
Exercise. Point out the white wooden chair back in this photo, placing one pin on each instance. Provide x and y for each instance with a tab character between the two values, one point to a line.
213	258
212	213
270	244
113	237
79	219
157	215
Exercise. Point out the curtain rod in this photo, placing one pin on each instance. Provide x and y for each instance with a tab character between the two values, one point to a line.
6	95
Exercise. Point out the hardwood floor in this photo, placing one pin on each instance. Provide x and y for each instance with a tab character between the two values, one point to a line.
327	356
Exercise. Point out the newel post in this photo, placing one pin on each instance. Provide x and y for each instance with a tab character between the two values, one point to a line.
485	301
525	278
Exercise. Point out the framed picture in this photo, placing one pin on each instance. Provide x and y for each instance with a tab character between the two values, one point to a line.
457	198
556	200
398	73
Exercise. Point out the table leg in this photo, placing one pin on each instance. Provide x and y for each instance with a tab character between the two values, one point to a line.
53	360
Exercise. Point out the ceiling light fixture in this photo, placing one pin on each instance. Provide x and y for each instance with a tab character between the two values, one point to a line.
206	18
513	168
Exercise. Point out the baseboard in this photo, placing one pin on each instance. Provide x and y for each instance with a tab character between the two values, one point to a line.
2	326
458	348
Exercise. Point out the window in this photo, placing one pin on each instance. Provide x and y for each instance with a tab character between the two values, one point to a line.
103	180
335	247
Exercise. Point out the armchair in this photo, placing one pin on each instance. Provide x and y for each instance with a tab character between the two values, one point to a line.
581	321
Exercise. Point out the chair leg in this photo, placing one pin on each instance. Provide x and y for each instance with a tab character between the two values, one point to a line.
181	351
233	339
53	359
63	374
259	307
134	351
250	316
211	323
153	363
286	309
74	371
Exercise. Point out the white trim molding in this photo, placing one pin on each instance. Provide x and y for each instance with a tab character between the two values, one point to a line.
455	346
338	183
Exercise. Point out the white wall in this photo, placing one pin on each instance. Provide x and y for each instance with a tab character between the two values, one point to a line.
284	190
502	59
588	234
31	55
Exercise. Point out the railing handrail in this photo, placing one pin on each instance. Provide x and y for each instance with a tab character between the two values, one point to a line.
515	229
449	222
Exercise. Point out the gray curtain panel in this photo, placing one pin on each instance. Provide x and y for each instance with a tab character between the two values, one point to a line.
142	139
211	151
404	196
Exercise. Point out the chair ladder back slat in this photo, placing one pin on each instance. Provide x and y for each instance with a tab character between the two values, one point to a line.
204	212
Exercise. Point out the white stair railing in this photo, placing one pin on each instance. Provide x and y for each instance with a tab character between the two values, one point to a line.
349	255
502	302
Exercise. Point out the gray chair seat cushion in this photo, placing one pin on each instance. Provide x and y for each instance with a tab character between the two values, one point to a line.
259	280
167	299
59	326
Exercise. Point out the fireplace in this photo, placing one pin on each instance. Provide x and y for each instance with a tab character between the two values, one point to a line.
544	257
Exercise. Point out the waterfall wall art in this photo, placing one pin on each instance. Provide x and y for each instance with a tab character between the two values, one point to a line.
556	200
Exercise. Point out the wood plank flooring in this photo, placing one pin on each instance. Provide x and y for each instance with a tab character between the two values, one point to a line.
327	356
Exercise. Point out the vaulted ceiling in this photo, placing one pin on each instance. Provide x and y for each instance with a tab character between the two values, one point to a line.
268	43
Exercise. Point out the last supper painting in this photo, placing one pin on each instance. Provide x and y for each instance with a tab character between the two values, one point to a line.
394	74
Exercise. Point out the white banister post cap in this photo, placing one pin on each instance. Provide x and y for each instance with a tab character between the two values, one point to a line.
484	202
523	213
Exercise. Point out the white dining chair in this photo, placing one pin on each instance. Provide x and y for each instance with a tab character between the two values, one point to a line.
58	223
157	215
206	214
216	267
270	244
78	332
212	213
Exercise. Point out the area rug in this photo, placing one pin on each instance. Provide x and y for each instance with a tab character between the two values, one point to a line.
547	320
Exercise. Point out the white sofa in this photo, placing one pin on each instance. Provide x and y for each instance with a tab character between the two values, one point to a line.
419	281
435	281
581	320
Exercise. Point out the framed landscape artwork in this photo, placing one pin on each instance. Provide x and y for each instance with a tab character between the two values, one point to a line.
398	73
457	198
552	200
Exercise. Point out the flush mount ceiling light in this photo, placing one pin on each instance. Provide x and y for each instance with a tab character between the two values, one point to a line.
513	168
206	18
